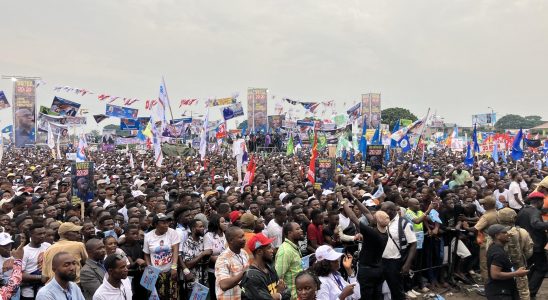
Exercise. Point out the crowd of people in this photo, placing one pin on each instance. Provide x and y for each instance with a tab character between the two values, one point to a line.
419	224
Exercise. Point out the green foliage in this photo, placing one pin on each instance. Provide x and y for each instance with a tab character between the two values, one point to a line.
391	115
516	122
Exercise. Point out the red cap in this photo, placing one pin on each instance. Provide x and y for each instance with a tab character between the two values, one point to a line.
536	195
257	241
235	215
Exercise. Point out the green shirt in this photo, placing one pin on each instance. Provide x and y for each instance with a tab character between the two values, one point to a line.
288	264
411	215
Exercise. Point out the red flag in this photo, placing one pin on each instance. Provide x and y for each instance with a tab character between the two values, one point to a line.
250	173
312	167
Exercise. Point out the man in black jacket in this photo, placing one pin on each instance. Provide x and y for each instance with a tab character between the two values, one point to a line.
530	219
260	280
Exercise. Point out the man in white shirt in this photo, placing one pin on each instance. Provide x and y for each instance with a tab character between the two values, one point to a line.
502	195
32	261
478	179
515	200
393	266
116	285
274	227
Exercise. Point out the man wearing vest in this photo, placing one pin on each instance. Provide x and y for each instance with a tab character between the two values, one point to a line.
399	251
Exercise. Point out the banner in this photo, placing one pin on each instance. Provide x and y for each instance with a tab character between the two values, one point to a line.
375	118
99	118
133	124
305	123
257	109
233	111
121	112
108	140
75	121
326	173
82	180
3	101
353	112
24	112
484	119
47	111
64	107
374	157
366	107
174	130
57	123
186	120
275	122
222	101
331	136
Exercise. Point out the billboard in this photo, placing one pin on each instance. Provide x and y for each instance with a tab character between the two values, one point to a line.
24	112
257	109
371	109
484	119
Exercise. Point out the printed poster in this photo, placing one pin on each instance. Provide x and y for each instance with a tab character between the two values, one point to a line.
374	157
64	107
150	275
82	180
133	124
3	101
121	112
233	111
199	292
257	109
24	113
375	117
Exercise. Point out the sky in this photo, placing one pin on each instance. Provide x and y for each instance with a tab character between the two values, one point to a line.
457	58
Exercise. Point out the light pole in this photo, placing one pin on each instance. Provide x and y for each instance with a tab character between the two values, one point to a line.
492	114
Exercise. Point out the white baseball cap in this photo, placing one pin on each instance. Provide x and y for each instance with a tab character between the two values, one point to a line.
325	252
5	239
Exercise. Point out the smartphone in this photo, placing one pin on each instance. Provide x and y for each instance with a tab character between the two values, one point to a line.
530	267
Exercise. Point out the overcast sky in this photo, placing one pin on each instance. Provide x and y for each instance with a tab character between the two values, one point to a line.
456	57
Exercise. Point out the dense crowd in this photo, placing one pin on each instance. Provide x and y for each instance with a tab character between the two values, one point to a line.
416	225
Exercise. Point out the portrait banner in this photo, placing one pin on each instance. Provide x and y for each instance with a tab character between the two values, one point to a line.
3	101
257	109
275	122
221	101
108	140
82	180
374	157
375	117
233	111
366	106
121	112
24	113
64	107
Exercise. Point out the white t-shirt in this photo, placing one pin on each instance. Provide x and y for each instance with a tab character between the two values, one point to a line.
275	231
505	194
159	248
481	181
391	250
216	243
514	189
32	262
107	291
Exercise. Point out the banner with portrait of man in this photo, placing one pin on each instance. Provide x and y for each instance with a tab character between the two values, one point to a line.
24	113
82	180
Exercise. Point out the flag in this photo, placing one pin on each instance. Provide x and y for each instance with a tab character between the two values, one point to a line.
249	173
312	166
363	140
148	130
469	160
80	152
7	129
387	155
156	142
159	110
398	135
503	156
99	118
203	138
404	144
545	148
517	151
1	147
495	154
376	139
51	138
290	148
394	144
58	147
454	135
475	140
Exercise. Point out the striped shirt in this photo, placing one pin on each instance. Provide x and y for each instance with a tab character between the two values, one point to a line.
288	264
229	264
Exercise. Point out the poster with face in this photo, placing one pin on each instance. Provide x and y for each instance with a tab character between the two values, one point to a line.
374	159
24	113
82	180
64	107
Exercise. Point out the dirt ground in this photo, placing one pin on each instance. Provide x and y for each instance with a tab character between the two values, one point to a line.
468	292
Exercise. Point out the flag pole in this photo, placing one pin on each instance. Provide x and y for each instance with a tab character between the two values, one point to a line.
420	135
168	101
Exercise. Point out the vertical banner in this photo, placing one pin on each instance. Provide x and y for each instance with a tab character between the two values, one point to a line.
108	140
374	157
24	112
375	118
366	108
82	180
257	109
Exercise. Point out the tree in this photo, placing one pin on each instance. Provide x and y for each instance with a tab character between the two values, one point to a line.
391	115
517	122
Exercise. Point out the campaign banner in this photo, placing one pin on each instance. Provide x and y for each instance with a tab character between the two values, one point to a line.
275	122
375	117
56	123
330	136
221	101
71	156
233	111
3	101
354	112
121	112
82	180
134	124
374	157
24	113
366	107
174	130
326	172
127	140
304	123
181	120
108	140
64	107
257	109
484	119
199	292
75	121
47	111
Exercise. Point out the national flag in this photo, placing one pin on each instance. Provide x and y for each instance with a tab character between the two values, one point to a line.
495	154
469	160
415	126
363	140
81	150
376	139
7	129
290	148
312	166
394	144
475	140
404	144
203	138
517	151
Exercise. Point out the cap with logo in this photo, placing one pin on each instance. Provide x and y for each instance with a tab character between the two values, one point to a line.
257	241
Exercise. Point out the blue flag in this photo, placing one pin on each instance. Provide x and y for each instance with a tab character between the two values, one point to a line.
469	160
517	151
7	129
404	144
394	143
376	140
363	140
503	156
387	155
495	154
475	139
545	148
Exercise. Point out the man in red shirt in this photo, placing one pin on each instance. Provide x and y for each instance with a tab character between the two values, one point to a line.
314	231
